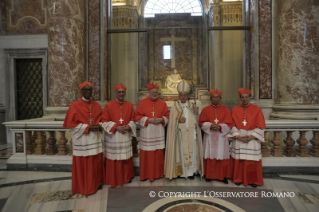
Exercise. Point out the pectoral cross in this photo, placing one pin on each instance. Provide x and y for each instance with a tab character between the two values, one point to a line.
216	121
153	113
121	120
90	120
244	122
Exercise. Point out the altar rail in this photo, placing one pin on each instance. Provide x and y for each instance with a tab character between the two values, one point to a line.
45	141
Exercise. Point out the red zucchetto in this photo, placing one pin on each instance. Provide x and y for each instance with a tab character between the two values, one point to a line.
212	92
86	83
119	86
244	91
152	86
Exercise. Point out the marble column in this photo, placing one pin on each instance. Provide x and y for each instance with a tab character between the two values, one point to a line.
124	51
298	60
66	55
226	50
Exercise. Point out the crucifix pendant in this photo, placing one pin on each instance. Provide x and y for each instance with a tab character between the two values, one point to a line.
244	122
121	120
216	121
90	120
153	113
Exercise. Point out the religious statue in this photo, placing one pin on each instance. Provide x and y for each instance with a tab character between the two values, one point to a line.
172	81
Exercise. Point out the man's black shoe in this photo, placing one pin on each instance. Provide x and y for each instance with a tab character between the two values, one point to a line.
191	177
225	180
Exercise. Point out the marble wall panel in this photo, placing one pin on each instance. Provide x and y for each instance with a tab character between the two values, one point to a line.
265	71
94	46
23	17
66	57
253	35
298	52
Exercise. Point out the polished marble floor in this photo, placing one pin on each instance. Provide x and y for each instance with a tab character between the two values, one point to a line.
40	191
21	190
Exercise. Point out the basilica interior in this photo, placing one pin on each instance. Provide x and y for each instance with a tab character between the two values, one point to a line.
49	47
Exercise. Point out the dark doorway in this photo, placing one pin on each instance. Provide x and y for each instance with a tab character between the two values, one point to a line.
29	88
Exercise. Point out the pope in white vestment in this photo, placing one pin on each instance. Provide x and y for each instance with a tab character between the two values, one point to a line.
184	151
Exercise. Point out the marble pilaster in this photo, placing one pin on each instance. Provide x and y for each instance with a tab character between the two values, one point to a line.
253	51
94	46
298	52
66	50
298	59
226	50
124	50
265	39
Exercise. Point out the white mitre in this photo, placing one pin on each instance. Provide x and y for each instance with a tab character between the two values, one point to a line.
183	87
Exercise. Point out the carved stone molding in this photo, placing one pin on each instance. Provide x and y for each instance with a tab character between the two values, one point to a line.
125	17
225	14
214	15
231	13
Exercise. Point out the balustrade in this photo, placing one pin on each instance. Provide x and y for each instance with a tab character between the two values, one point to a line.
282	139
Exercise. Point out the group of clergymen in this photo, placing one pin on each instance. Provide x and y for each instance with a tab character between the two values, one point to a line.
186	155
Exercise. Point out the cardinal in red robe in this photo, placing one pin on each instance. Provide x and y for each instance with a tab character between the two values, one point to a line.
152	115
118	123
247	133
216	122
83	119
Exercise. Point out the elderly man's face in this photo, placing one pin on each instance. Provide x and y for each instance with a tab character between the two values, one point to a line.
183	97
153	93
245	99
120	94
215	99
87	92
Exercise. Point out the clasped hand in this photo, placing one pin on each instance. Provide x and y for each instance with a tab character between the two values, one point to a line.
155	121
195	110
182	120
123	129
95	127
246	138
215	127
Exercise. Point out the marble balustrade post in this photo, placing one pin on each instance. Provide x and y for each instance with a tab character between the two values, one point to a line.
314	151
52	149
276	151
264	146
40	143
289	150
302	141
63	150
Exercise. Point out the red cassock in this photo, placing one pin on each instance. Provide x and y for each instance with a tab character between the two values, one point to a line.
217	168
152	148
118	172
87	171
247	171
